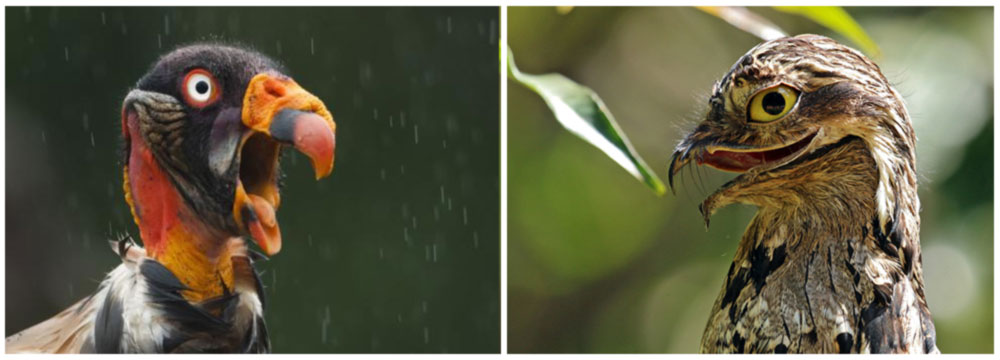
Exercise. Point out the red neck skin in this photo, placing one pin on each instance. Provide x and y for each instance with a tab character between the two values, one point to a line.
171	232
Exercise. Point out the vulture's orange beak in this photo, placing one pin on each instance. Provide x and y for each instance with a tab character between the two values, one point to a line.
278	111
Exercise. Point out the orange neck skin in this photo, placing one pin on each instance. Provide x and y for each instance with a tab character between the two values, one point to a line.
171	232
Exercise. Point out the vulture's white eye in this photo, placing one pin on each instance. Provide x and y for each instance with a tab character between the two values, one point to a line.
200	88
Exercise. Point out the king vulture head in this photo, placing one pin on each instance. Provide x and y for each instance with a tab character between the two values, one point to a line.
202	133
203	130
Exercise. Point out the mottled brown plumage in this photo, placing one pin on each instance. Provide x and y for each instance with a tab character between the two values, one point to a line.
831	261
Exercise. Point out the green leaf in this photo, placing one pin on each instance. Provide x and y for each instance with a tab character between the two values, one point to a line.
832	17
583	113
837	19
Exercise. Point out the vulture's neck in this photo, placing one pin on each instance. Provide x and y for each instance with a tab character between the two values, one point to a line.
171	232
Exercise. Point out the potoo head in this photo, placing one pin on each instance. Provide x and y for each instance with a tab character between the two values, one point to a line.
791	103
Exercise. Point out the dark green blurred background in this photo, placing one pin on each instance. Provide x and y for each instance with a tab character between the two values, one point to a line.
398	251
598	263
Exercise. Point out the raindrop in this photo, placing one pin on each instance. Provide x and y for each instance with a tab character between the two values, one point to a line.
73	201
43	137
434	251
86	121
406	236
465	216
475	239
92	139
375	113
124	28
159	41
423	305
166	25
402	169
427	335
448	21
428	77
312	46
444	144
390	122
452	125
416	135
493	32
278	44
427	253
66	53
476	136
399	318
27	14
449	204
442	194
382	174
381	254
309	240
365	72
104	18
414	223
437	215
232	23
402	119
325	322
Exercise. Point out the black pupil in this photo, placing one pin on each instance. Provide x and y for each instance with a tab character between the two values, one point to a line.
774	103
201	87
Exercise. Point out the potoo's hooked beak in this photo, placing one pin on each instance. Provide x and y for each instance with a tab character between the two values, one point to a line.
678	160
277	111
705	148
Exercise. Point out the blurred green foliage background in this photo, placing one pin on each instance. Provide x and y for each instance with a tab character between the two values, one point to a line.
398	251
597	263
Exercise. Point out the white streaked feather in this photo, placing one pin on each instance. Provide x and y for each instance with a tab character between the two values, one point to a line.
144	326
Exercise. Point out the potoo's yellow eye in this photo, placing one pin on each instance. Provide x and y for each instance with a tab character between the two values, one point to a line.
772	103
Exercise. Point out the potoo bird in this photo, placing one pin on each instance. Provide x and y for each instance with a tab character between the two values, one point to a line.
831	261
202	132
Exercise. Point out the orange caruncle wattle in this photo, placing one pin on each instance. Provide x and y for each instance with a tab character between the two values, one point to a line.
267	95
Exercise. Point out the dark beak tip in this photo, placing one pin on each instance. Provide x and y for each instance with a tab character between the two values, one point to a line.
673	169
310	133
